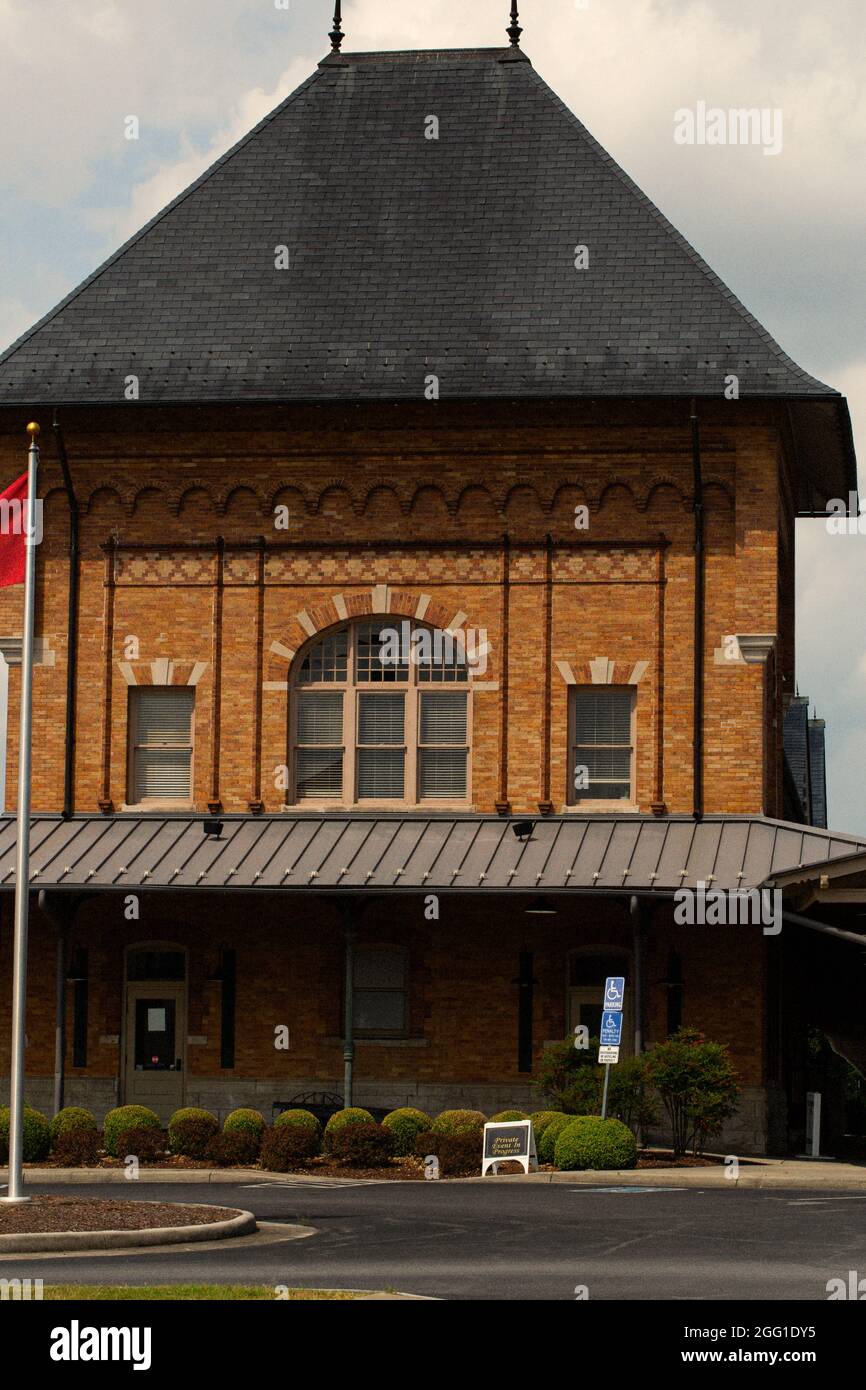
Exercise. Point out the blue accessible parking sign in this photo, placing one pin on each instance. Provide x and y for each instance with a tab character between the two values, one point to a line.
614	993
611	1029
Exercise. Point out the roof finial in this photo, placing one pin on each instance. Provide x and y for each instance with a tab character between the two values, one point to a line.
514	30
336	34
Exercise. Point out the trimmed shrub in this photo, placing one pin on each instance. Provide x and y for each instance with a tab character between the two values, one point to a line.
249	1122
505	1115
697	1084
547	1143
190	1131
285	1149
406	1124
458	1122
71	1118
301	1119
540	1120
142	1142
77	1148
353	1115
590	1142
127	1117
236	1147
459	1154
363	1146
37	1135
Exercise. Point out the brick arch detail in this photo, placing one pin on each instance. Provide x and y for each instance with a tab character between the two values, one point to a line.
381	599
165	670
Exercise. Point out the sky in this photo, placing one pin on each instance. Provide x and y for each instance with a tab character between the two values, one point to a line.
784	231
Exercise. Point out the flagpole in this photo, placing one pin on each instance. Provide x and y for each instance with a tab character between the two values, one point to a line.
15	1192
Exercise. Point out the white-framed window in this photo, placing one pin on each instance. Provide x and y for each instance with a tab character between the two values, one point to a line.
601	745
380	1005
161	720
380	714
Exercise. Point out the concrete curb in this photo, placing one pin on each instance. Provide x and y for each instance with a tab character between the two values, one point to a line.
781	1173
242	1224
844	1179
94	1176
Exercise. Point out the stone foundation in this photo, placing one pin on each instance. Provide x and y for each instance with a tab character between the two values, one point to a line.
757	1128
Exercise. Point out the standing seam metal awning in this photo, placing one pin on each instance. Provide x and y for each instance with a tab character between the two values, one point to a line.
436	853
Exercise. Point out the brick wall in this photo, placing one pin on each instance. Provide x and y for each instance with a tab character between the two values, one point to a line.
456	481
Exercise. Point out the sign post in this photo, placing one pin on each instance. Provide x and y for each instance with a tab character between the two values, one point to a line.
610	1033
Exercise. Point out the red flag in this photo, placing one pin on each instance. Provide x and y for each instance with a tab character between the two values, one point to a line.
13	518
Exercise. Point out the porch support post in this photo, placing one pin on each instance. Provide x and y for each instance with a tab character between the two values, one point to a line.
349	938
60	1018
60	911
638	949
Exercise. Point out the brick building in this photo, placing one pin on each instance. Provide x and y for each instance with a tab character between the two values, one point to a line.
415	617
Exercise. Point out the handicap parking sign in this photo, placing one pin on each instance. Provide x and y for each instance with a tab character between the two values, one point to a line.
611	1029
614	992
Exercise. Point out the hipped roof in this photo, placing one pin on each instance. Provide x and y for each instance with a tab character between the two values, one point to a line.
410	257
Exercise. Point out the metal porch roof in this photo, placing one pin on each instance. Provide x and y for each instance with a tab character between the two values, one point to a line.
393	852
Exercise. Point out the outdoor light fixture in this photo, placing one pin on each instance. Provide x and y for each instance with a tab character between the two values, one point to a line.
540	907
212	827
522	829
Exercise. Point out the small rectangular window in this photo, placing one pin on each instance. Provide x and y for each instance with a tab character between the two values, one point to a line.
379	998
381	747
442	747
161	737
601	745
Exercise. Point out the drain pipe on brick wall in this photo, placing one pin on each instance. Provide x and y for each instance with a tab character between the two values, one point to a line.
698	700
71	625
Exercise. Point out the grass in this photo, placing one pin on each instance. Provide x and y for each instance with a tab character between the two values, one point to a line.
261	1293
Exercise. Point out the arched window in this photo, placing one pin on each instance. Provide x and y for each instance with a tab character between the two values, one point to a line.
380	713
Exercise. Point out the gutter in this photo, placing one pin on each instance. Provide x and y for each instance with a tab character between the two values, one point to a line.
71	625
698	697
801	921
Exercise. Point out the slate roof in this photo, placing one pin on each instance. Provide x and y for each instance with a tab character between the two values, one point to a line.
411	256
394	853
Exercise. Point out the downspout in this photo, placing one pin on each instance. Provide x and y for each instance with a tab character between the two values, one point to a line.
71	625
698	700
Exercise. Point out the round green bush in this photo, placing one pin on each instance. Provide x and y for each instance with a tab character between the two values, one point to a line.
250	1122
123	1118
458	1121
73	1117
540	1120
590	1142
37	1135
505	1115
405	1124
352	1115
190	1130
552	1130
301	1119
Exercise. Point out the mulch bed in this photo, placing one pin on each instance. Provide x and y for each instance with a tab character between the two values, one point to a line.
83	1214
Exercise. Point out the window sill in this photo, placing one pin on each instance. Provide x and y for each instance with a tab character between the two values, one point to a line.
359	807
605	808
158	806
